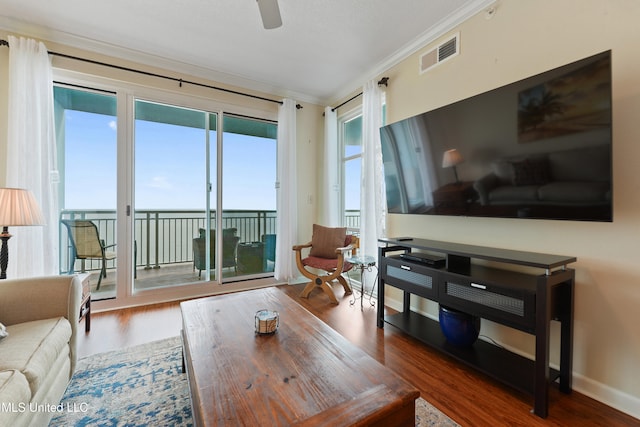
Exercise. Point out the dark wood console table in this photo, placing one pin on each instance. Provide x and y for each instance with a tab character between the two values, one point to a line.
524	301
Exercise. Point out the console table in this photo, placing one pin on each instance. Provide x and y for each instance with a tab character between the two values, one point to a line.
493	291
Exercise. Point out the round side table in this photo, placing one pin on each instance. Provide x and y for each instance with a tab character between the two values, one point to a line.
363	262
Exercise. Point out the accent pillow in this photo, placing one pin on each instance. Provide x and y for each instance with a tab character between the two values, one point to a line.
3	331
326	240
530	172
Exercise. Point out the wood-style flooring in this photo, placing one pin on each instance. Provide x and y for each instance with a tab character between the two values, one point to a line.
468	397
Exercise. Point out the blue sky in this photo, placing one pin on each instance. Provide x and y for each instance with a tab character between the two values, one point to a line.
170	166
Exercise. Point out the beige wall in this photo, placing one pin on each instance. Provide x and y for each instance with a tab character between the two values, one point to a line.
526	37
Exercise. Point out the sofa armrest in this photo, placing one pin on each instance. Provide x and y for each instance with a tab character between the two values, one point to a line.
37	298
484	185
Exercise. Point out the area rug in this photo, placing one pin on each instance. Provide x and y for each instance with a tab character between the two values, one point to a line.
144	386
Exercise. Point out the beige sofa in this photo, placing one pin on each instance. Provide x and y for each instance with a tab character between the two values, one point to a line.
38	357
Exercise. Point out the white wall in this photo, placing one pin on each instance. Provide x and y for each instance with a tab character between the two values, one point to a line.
523	38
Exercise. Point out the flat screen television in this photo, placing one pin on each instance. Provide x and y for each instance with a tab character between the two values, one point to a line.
537	148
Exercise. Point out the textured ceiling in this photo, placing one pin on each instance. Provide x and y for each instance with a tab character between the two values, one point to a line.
324	50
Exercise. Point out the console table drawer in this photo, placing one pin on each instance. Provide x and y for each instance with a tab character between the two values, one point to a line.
413	278
512	307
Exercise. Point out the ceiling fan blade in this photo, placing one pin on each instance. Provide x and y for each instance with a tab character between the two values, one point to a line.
270	13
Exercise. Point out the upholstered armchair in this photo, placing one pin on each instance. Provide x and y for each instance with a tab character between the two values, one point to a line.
325	261
229	249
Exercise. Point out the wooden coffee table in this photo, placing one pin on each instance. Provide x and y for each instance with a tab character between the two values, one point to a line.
304	374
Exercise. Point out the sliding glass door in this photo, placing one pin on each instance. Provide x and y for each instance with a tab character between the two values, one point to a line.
86	135
248	195
172	154
200	203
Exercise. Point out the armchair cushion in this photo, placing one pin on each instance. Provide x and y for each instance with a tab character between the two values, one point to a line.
325	264
325	241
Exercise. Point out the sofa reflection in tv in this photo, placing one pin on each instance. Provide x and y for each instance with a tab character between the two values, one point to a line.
562	180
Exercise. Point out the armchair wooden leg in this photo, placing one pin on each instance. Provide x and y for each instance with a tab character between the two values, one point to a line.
307	290
345	285
326	287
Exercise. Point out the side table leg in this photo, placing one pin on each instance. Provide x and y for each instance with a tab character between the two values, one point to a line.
361	287
87	317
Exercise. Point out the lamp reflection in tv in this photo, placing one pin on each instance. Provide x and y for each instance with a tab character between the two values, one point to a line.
450	159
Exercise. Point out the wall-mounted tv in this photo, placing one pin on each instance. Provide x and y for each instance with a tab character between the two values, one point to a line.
537	148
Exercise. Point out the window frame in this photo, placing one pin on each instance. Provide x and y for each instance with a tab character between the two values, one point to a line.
343	119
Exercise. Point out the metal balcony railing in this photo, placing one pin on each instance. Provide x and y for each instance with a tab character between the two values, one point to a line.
166	236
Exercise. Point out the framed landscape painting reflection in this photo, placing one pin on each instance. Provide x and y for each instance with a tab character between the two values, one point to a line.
578	101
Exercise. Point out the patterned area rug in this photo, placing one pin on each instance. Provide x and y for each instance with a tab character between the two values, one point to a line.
144	386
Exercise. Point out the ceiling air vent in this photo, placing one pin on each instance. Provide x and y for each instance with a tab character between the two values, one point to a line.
445	50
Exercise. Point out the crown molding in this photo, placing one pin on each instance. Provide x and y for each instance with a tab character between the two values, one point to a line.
426	38
11	25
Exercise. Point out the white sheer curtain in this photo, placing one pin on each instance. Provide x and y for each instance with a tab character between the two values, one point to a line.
287	224
373	207
31	156
331	189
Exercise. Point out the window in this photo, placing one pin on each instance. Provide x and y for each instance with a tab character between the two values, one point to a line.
351	142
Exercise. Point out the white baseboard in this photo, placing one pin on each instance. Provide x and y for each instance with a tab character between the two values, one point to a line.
297	280
610	396
603	393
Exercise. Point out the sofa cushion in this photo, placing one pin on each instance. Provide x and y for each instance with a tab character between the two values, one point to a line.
14	396
33	347
575	192
533	171
513	194
585	164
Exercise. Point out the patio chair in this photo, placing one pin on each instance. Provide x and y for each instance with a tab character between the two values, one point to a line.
327	251
229	249
86	244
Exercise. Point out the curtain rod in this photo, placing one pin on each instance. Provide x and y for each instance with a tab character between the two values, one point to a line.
382	81
147	73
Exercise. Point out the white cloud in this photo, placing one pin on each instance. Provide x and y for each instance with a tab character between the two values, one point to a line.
113	125
160	182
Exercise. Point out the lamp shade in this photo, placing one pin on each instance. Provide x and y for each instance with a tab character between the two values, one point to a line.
451	158
19	207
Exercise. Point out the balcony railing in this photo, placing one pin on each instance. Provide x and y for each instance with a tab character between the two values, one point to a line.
163	237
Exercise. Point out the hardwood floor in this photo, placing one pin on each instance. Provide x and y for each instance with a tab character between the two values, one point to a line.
468	397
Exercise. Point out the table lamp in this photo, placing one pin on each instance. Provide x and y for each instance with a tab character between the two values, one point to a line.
18	207
450	159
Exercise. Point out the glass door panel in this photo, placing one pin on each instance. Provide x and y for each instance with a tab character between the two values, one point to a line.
86	140
352	164
248	196
171	196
